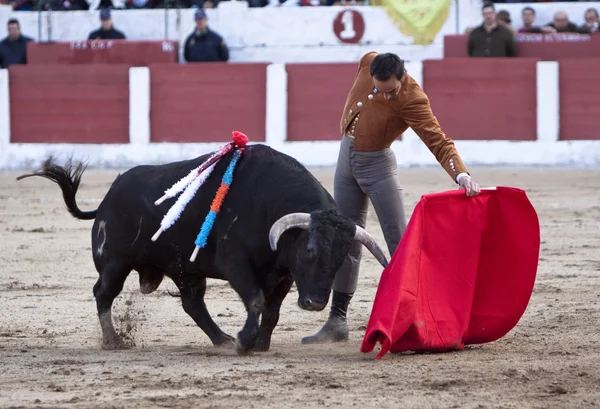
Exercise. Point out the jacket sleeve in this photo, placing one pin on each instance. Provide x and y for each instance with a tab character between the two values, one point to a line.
186	49
223	50
418	115
365	60
510	46
470	45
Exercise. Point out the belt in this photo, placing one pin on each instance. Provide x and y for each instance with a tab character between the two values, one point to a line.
350	136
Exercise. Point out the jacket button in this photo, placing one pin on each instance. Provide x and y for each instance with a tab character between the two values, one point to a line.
359	104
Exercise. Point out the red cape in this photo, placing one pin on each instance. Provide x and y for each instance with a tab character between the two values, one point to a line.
462	274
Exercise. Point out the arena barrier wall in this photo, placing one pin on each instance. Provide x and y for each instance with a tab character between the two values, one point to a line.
67	104
513	111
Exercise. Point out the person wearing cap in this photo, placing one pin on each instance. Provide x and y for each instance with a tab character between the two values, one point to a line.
204	45
382	104
106	31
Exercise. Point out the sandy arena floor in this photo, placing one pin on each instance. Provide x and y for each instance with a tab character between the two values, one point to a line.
50	335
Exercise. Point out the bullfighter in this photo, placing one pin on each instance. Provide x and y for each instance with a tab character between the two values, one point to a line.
383	102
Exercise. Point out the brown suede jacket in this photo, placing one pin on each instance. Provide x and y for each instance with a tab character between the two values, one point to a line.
382	121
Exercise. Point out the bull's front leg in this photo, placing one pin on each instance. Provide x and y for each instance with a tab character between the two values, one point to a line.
243	282
270	317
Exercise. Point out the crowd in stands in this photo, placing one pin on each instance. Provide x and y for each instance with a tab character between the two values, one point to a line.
25	5
495	36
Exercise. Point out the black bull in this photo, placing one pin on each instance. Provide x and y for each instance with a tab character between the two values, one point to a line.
277	225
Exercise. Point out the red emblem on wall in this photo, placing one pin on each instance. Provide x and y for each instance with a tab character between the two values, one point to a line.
349	26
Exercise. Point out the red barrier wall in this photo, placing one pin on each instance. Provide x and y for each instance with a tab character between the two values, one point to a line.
136	53
69	103
490	99
316	97
549	47
206	102
579	92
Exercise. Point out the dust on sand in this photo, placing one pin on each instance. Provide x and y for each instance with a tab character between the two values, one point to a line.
50	353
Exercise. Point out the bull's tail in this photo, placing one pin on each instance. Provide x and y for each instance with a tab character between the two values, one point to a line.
68	178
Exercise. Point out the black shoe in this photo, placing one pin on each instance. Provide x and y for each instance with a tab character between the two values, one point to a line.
336	328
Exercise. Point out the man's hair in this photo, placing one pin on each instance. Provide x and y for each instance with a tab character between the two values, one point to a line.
592	10
384	66
528	8
12	21
487	4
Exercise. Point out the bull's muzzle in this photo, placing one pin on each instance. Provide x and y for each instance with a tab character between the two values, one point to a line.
311	304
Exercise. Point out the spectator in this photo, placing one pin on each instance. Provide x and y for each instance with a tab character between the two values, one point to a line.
561	24
13	49
65	5
257	3
528	17
22	5
591	21
106	31
204	4
490	39
204	45
503	19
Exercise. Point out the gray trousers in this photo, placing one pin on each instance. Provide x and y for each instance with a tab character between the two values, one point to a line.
360	176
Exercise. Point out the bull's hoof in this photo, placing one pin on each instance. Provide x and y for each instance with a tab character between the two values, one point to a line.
244	344
262	346
114	342
225	342
242	349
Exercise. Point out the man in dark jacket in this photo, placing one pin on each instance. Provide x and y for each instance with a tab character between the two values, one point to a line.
106	31
13	49
204	45
490	39
561	24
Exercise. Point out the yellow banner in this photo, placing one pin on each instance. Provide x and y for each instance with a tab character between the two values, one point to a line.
420	19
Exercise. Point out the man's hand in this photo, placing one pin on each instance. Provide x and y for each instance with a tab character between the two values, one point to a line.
548	29
471	188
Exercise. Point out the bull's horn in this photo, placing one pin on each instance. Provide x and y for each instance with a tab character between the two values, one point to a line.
369	242
289	221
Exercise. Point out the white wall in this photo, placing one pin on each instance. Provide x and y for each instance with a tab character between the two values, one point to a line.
546	150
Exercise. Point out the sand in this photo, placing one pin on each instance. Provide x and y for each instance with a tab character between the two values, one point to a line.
50	353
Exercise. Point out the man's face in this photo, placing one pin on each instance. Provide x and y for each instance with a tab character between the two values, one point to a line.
489	15
591	17
528	17
201	24
561	20
390	88
14	31
106	24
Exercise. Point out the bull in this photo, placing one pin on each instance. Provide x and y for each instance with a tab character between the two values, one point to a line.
278	225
